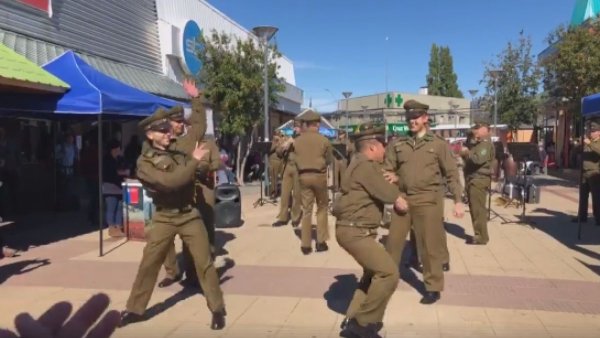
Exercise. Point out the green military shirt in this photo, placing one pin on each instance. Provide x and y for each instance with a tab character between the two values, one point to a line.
167	176
591	158
273	156
478	161
364	192
285	150
209	163
313	152
421	164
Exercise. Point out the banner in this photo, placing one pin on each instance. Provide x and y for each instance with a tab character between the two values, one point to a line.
42	5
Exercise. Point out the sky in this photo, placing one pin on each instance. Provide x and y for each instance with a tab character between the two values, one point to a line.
354	45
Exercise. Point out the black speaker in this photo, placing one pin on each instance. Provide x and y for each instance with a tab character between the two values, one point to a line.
228	206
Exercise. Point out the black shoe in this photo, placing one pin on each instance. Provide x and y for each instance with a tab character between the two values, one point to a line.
446	267
320	247
168	281
353	329
430	297
130	318
473	241
305	250
280	224
218	320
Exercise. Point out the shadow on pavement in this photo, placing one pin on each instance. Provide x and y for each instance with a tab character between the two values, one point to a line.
45	228
20	267
340	293
221	239
558	225
455	230
594	268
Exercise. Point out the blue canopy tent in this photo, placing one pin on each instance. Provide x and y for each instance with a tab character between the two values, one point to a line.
92	93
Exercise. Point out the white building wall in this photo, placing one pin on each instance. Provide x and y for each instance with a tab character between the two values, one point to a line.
172	17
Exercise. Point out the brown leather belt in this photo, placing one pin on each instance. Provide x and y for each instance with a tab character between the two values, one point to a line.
357	225
311	171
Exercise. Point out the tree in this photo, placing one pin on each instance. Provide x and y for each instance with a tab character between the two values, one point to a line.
572	71
517	84
448	78
232	77
441	79
433	77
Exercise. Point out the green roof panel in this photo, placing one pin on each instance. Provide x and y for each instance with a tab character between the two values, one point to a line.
585	10
14	66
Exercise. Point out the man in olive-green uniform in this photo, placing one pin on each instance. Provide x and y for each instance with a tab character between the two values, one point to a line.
591	174
275	165
478	174
185	139
420	162
358	212
290	184
168	177
313	154
340	162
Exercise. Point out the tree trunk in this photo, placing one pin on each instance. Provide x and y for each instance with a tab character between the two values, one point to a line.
240	172
239	165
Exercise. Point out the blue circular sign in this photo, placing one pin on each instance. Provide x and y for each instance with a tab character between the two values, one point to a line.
192	46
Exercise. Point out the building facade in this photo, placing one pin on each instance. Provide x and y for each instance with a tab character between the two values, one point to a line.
445	112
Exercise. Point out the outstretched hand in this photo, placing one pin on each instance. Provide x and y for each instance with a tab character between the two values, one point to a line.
200	151
52	323
190	88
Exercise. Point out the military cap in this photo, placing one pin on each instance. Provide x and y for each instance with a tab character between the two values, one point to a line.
415	109
480	123
368	131
176	113
309	115
158	121
595	125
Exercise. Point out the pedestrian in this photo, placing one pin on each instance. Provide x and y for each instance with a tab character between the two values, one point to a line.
313	155
358	215
478	173
168	177
290	184
591	175
422	166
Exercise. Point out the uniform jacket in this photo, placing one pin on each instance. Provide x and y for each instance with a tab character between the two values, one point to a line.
313	152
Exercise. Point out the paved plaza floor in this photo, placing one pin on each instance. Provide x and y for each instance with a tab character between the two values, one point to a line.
529	281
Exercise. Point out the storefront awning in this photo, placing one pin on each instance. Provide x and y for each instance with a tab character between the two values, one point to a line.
41	52
91	93
18	73
591	105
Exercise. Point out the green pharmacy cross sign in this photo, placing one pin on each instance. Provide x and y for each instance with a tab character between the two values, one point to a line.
389	100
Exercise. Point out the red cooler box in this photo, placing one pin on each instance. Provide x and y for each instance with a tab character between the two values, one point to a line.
137	210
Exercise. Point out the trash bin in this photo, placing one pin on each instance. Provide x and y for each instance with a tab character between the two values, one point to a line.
138	210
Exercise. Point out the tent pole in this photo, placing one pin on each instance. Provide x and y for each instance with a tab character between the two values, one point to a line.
54	130
582	129
100	197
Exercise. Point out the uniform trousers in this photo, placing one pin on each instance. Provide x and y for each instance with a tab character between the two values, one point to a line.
188	225
380	274
205	202
477	190
313	187
425	215
290	189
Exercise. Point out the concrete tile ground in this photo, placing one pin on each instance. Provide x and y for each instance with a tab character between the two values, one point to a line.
539	281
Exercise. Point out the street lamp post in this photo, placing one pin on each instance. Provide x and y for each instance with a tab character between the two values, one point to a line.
495	75
265	33
473	92
346	96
